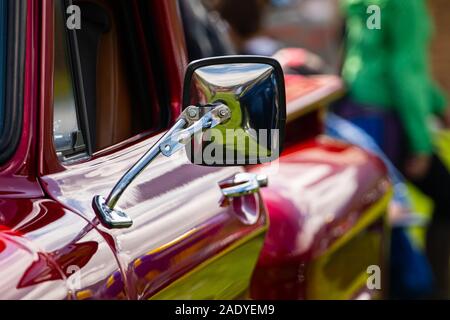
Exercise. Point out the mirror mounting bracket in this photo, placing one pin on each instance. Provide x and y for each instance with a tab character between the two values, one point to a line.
193	120
197	119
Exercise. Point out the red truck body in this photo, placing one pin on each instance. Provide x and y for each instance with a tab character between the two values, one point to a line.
320	222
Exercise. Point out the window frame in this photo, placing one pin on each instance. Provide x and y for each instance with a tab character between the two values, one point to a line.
74	66
161	92
16	33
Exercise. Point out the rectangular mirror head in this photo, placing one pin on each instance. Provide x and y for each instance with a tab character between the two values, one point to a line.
252	88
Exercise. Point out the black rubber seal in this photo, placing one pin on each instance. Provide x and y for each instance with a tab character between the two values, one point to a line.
15	78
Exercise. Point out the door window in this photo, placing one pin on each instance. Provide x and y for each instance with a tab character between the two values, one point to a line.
103	89
67	136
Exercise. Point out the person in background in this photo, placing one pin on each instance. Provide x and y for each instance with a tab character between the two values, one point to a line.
248	37
199	23
245	19
393	98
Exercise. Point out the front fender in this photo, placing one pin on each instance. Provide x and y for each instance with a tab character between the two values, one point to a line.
326	202
26	272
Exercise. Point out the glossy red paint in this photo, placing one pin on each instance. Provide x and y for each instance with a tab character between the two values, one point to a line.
50	252
47	159
43	244
173	49
319	193
170	201
326	165
174	204
52	246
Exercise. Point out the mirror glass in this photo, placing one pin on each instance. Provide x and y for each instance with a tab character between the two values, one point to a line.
253	90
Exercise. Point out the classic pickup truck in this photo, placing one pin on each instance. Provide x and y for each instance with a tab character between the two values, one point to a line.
84	112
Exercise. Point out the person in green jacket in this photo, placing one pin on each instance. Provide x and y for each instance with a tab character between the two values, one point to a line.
387	73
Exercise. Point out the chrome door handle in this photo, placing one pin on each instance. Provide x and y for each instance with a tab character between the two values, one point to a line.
243	184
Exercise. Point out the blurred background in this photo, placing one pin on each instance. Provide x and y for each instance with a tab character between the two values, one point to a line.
317	25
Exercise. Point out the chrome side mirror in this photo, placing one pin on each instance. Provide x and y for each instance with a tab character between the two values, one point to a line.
253	89
239	96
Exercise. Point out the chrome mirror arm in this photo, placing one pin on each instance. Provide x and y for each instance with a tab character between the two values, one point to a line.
214	116
193	120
